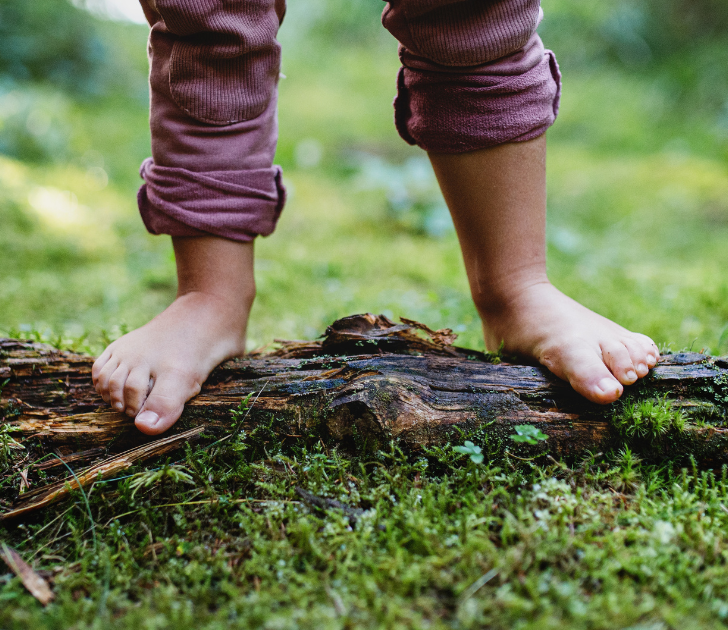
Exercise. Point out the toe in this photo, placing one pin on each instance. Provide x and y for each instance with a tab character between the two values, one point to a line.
116	387
582	366
136	390
99	364
165	403
104	377
638	355
649	348
617	358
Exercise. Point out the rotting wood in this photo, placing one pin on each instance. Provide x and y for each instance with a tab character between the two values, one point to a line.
368	381
105	469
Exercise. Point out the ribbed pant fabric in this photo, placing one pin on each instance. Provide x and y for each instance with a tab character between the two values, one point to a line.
474	74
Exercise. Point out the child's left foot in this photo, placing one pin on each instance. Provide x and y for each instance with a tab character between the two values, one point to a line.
497	197
595	355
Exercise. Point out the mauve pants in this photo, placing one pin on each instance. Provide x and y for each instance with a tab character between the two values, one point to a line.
474	74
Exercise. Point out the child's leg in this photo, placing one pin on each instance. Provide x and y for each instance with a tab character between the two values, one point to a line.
477	91
212	186
497	198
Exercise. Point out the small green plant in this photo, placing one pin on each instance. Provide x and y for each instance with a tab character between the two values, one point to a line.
7	445
241	412
649	418
626	475
529	434
237	437
495	357
168	472
475	452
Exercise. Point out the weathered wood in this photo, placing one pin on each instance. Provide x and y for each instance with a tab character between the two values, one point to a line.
105	469
367	382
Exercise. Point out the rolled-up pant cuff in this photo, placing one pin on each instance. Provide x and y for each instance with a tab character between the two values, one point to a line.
213	82
237	205
445	109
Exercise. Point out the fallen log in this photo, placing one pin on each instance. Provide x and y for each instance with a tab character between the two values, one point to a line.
367	382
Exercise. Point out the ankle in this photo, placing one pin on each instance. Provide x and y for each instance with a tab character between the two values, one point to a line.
227	315
216	269
240	299
498	300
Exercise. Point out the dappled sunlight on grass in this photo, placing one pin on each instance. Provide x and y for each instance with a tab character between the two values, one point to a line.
636	234
63	204
64	252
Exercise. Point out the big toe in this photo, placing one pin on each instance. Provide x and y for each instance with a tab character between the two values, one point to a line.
587	374
165	403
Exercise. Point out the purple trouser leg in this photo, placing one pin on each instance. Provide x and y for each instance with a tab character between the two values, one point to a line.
213	79
474	75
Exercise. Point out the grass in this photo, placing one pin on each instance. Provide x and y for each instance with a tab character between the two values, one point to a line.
638	223
226	541
637	204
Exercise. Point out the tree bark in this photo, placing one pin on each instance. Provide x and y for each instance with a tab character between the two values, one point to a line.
368	382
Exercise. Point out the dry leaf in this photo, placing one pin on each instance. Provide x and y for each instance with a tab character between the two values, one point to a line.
35	584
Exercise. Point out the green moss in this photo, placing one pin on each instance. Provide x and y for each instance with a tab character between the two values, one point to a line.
609	542
650	418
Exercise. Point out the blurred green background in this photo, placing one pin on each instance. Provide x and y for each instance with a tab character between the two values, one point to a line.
638	176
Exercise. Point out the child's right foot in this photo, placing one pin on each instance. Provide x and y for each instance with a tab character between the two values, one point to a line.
151	372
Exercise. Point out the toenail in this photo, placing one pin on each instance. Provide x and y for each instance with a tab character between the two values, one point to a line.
642	368
631	375
119	406
608	386
148	418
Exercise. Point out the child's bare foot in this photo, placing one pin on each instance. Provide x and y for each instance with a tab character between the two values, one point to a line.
595	355
151	372
497	198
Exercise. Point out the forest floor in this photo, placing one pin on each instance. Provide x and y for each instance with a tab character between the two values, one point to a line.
638	221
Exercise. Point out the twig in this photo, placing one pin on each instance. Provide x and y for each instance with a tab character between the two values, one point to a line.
85	498
322	504
477	585
151	540
523	459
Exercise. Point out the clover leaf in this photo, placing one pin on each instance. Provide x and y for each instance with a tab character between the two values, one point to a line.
529	434
475	452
